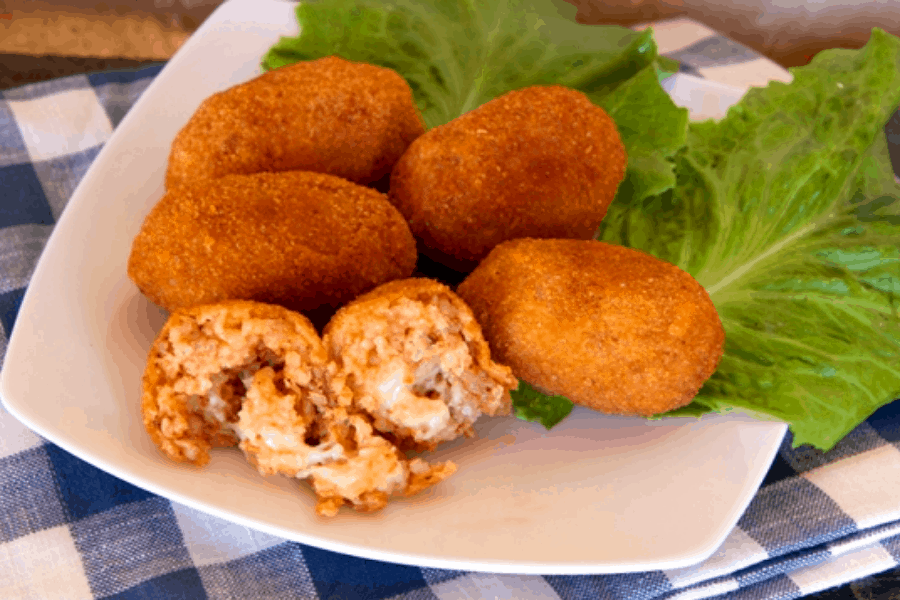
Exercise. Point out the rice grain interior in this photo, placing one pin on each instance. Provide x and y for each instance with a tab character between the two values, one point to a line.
208	360
255	375
411	355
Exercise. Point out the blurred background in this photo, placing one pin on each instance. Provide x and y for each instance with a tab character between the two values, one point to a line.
40	39
790	32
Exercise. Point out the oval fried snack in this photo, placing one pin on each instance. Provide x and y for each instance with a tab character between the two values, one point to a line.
411	355
254	374
608	327
302	240
328	115
541	162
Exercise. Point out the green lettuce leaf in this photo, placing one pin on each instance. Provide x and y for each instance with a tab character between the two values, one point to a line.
531	405
651	131
458	54
787	212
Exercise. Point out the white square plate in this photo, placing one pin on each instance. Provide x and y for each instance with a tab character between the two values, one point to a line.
597	494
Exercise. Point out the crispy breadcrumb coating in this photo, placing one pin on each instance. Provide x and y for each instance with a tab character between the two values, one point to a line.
298	239
411	355
254	375
328	115
608	327
540	162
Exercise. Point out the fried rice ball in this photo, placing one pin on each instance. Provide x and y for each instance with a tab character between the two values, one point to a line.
541	162
328	115
207	359
254	375
411	355
302	240
608	327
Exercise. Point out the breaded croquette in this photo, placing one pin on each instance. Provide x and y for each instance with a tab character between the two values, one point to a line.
411	355
207	359
253	374
542	162
329	115
608	327
298	239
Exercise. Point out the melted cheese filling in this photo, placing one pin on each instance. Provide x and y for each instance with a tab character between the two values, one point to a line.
426	416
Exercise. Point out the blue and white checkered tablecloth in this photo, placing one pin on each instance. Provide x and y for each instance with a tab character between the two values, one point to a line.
70	531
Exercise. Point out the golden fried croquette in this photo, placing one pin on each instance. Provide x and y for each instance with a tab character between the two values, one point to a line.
298	239
541	162
411	355
207	359
254	374
608	327
329	115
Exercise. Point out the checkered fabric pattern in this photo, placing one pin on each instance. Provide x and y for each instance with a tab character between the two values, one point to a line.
71	531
